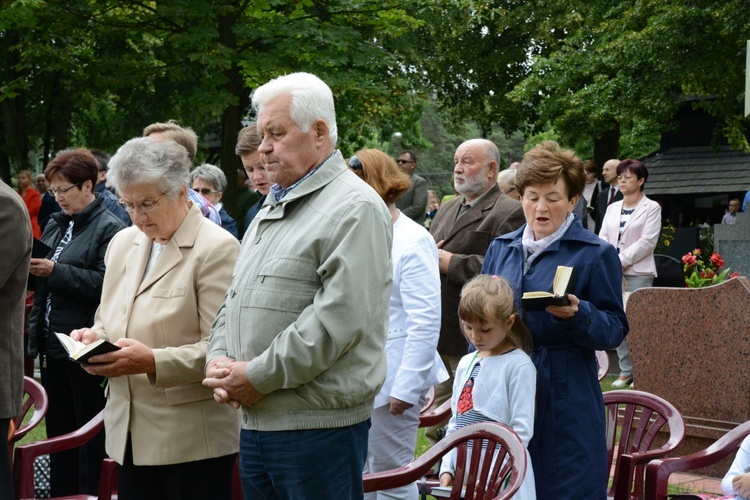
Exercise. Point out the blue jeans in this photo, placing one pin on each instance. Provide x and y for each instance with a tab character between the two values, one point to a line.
306	464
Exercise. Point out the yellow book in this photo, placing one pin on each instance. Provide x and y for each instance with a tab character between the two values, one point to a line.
563	284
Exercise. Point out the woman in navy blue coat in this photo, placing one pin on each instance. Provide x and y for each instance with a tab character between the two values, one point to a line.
568	449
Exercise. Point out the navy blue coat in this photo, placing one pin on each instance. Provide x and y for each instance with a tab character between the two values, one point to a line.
228	223
568	449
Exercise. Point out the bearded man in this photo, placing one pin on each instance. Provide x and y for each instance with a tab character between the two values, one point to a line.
463	229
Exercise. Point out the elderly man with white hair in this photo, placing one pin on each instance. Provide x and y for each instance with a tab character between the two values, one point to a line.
299	343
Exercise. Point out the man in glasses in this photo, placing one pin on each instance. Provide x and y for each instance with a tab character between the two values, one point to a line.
414	201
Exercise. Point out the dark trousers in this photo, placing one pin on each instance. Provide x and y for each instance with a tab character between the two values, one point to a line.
75	397
308	464
6	483
202	479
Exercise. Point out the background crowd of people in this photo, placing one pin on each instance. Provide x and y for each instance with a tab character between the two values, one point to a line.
309	349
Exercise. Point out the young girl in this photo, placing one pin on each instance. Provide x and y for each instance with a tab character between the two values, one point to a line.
497	382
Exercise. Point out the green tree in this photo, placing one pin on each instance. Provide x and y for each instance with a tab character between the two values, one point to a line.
117	66
612	70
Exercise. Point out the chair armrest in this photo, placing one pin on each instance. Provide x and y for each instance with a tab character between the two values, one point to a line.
658	471
436	416
23	461
627	465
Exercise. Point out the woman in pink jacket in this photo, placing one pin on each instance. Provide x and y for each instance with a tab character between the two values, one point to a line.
633	226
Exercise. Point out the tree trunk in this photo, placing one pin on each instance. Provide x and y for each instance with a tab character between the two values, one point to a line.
62	123
231	118
14	108
50	118
607	145
4	160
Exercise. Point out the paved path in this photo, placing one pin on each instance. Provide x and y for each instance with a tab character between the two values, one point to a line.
696	484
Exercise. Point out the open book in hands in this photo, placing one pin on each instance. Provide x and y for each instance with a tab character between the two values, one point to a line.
80	352
564	283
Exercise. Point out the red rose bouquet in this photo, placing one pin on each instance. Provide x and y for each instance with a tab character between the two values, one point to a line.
700	272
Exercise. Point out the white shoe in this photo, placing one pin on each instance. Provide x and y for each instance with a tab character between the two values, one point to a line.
622	382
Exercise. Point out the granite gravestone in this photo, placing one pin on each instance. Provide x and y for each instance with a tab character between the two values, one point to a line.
691	346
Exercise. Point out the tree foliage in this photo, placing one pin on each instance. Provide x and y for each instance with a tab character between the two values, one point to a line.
604	76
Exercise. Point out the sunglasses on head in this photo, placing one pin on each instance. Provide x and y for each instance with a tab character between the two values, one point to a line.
354	163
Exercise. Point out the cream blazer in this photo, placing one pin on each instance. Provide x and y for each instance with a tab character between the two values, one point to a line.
639	238
171	417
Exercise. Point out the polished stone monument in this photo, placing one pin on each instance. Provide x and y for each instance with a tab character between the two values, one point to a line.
733	243
691	346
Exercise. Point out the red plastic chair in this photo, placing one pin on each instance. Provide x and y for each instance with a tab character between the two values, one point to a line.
658	471
24	456
35	397
428	419
602	360
434	417
476	471
637	418
428	400
28	361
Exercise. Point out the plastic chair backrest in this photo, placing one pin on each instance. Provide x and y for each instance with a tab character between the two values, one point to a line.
637	418
658	471
495	471
35	397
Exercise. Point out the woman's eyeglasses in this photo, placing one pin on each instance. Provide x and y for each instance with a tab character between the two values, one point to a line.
354	163
63	191
206	191
142	207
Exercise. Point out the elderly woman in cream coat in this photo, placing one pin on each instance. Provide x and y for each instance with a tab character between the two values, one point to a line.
166	277
633	226
411	348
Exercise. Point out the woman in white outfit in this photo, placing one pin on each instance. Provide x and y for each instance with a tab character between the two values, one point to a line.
413	362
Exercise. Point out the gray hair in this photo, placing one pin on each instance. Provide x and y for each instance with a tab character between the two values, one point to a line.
146	161
210	174
312	100
506	179
492	152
